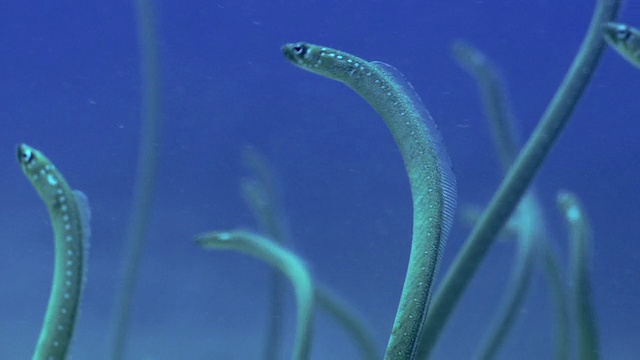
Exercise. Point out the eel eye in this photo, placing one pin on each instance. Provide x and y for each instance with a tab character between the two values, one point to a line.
622	32
300	49
25	155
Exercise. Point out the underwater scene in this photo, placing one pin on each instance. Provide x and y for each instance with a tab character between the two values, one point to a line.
320	179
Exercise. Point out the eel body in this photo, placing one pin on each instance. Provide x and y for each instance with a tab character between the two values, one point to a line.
288	263
69	212
581	237
427	164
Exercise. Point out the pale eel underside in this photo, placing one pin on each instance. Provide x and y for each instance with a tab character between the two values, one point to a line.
624	39
69	212
427	164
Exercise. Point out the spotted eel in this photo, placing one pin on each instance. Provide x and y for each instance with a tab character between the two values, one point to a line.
427	164
69	212
624	39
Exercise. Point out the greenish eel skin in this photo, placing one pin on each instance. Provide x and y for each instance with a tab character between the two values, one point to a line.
146	172
261	195
427	163
287	262
519	176
624	39
69	212
580	236
527	220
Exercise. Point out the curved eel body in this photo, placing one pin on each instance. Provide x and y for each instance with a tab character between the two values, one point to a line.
69	212
288	263
427	164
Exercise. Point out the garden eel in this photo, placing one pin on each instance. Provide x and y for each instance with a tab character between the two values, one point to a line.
553	272
350	320
624	39
146	173
494	99
580	237
427	164
260	193
285	261
519	176
69	212
261	196
527	222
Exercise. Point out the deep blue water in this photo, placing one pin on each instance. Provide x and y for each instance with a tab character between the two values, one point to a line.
71	87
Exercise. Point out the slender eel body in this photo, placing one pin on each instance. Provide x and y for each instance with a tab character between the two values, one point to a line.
527	222
287	262
427	165
261	195
146	173
494	99
624	39
519	176
69	212
580	236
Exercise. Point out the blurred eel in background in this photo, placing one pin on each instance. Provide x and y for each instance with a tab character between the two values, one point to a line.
580	239
262	196
146	174
527	224
518	178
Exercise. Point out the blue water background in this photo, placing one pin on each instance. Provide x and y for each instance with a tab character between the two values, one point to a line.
70	86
